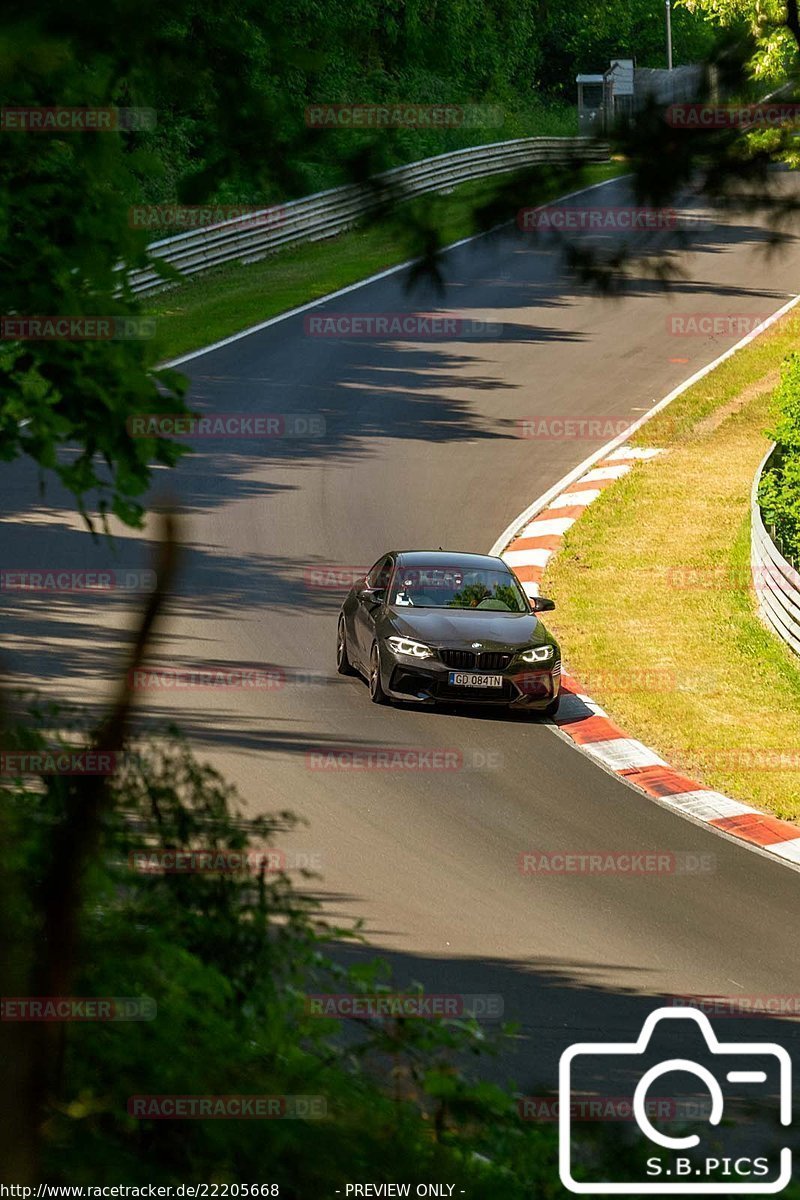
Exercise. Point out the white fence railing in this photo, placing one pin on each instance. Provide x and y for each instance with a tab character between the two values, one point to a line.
776	581
258	233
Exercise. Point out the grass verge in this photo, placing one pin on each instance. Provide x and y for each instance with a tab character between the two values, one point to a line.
228	299
655	601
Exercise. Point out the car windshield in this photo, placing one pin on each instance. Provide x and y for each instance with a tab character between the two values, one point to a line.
445	587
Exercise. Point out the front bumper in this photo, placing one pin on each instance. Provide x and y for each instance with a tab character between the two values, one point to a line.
426	681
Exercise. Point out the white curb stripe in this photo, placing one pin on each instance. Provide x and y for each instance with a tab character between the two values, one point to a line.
708	805
607	473
597	711
789	850
623	754
527	558
557	526
570	498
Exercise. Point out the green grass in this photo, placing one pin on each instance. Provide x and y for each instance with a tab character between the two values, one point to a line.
664	557
223	301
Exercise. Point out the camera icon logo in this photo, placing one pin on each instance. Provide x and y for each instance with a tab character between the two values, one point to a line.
671	1169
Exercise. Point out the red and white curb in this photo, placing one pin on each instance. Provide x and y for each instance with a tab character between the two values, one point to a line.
585	722
530	549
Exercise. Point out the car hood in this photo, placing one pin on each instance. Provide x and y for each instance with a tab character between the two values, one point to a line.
457	628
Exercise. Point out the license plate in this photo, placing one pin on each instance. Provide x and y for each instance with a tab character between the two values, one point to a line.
473	679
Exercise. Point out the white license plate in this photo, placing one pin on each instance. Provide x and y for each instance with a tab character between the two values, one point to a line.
473	679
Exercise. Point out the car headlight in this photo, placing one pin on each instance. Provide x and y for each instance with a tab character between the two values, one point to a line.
537	654
401	645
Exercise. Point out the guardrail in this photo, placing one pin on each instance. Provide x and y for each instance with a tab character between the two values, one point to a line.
776	581
249	238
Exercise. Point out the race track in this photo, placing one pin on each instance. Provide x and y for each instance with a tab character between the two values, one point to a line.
421	450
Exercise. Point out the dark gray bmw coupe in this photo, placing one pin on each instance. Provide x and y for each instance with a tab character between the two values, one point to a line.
428	626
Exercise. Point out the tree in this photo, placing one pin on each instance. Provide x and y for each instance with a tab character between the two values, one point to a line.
773	25
585	37
227	84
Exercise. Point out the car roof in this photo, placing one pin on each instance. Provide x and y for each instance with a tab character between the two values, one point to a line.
454	560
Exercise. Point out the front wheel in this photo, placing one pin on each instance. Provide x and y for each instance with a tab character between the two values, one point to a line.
343	664
376	693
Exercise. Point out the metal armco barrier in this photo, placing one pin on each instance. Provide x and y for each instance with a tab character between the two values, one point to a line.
776	581
248	238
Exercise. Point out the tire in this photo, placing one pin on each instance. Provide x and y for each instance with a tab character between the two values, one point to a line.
376	693
343	664
552	708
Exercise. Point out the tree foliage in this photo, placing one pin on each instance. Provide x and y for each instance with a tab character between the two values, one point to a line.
585	37
229	84
771	24
227	958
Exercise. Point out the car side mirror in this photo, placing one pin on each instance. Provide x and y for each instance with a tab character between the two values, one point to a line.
372	596
542	604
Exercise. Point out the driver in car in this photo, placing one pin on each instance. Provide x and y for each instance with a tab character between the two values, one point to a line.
423	590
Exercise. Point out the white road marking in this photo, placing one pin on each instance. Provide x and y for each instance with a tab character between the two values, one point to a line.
623	754
353	287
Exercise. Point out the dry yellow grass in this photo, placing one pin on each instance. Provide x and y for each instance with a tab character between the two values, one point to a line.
655	579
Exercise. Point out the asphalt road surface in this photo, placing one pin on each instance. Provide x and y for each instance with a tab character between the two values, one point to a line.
421	449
